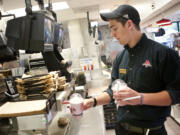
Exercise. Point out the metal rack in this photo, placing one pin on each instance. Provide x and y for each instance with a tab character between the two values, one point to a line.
175	113
110	115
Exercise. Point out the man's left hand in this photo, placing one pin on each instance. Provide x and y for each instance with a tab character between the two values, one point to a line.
121	95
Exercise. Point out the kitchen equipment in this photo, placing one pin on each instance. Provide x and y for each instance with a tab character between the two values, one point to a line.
31	116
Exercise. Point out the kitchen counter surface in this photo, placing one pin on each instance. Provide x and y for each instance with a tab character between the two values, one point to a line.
91	123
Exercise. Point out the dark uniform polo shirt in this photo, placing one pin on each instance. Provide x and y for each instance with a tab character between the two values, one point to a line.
149	67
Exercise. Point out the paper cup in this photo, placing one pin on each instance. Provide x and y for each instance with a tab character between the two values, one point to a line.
76	102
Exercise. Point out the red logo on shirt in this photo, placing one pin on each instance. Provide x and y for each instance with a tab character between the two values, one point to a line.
147	64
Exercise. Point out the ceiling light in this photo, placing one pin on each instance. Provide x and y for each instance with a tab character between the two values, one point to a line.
35	8
56	6
105	11
60	5
94	23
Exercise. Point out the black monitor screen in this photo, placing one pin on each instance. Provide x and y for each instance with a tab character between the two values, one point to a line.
30	34
48	31
58	34
61	33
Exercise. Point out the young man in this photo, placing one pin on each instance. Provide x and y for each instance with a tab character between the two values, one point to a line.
151	71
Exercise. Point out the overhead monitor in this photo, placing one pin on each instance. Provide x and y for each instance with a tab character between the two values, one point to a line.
31	33
58	34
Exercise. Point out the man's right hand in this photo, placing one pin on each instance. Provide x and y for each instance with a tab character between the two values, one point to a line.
88	103
101	99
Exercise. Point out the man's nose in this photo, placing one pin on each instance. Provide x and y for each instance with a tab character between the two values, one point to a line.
113	34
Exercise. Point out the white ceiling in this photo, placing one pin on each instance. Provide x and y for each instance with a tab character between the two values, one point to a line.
78	8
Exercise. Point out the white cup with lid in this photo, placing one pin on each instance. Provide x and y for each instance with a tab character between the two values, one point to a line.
118	84
76	102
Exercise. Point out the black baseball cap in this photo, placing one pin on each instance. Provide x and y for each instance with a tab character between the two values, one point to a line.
123	11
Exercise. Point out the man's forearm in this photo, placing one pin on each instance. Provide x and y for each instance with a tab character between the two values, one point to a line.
103	99
157	99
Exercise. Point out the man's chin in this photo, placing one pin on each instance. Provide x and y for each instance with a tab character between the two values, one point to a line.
121	42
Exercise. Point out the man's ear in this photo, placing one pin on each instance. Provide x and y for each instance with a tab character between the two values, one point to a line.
130	24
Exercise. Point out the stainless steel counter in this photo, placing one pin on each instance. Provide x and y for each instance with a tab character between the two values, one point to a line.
53	128
92	123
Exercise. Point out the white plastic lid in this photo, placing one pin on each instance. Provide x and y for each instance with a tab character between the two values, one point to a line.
76	98
118	84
